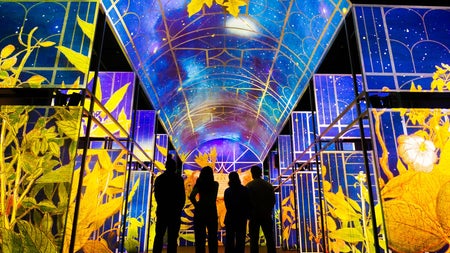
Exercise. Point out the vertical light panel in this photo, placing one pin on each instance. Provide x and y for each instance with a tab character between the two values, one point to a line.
114	90
49	43
414	176
308	211
334	95
303	135
100	204
138	212
288	215
348	207
285	155
38	158
145	134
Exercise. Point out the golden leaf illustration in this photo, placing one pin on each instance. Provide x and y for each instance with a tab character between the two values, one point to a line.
87	28
47	43
115	99
232	6
417	188
7	51
8	63
162	150
80	61
331	224
340	246
159	165
196	5
443	207
36	80
411	228
351	235
98	246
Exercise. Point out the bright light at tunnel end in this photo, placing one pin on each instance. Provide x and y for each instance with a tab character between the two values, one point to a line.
241	26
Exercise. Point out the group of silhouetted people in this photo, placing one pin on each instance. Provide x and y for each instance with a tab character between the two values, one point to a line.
253	202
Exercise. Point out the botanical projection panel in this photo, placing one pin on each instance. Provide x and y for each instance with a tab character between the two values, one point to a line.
211	74
37	162
408	49
115	91
335	97
46	44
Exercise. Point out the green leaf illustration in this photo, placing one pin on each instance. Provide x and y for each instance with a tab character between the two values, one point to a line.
60	175
69	128
34	239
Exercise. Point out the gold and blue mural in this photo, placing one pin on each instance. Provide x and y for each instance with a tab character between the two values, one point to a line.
46	44
37	162
113	104
406	49
206	68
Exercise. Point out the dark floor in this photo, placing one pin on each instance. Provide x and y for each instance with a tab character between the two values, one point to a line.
186	249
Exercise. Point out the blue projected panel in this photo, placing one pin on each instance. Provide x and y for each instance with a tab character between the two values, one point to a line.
44	44
334	94
303	135
138	215
145	134
285	154
213	76
400	45
345	183
308	204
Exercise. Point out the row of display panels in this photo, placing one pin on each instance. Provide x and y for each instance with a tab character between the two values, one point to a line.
409	147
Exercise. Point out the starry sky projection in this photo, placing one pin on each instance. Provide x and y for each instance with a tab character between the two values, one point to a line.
52	22
404	48
212	76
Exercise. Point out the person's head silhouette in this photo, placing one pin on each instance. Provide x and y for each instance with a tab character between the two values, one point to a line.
233	179
171	165
256	171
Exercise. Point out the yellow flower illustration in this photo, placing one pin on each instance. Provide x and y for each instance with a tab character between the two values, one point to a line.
417	152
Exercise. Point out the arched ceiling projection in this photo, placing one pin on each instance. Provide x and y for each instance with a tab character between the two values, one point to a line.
212	75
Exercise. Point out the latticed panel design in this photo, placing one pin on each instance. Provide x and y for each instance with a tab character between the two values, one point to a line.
46	43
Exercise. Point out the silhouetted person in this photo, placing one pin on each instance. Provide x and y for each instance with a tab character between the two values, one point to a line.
237	203
170	198
262	200
205	212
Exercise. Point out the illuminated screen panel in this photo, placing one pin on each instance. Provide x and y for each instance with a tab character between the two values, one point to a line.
289	239
417	166
115	91
100	201
334	94
400	45
308	206
303	135
285	155
145	134
46	43
38	151
346	198
213	76
161	151
138	212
